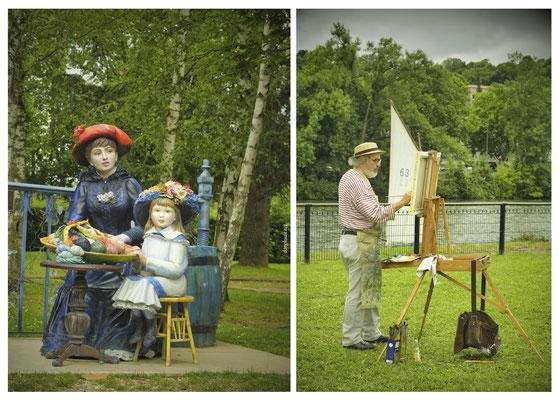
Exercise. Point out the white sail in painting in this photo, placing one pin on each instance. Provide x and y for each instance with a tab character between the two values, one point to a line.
403	152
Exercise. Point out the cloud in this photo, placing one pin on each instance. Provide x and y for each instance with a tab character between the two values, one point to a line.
471	35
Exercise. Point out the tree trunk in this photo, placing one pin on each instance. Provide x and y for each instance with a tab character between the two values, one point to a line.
16	139
173	113
245	176
233	165
256	226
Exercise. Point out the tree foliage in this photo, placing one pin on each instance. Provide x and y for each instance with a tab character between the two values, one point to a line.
343	99
116	66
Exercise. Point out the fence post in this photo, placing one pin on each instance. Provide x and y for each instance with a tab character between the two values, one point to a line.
416	236
205	181
50	210
308	233
502	229
26	209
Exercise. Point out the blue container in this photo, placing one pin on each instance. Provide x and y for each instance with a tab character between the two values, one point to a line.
203	278
392	351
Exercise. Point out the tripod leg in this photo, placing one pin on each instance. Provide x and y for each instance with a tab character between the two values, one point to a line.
513	319
431	286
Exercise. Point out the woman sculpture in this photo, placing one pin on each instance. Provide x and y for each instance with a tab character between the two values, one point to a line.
105	196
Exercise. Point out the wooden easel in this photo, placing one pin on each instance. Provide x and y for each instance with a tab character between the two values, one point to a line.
429	246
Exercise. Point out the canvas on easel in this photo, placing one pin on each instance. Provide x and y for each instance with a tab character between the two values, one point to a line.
425	177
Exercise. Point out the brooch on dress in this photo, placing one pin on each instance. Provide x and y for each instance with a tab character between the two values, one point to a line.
108	197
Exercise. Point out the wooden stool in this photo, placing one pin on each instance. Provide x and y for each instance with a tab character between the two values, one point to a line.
175	323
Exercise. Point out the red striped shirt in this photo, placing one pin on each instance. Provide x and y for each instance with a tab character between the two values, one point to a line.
358	206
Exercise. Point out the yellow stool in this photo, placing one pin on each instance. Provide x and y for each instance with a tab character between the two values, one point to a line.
172	323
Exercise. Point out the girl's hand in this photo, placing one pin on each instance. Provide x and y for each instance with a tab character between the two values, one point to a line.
140	255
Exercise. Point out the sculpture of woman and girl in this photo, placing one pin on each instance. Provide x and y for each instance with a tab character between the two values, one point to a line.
122	311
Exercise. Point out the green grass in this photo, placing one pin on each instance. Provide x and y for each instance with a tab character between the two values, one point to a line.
273	272
528	244
523	279
257	320
253	320
191	382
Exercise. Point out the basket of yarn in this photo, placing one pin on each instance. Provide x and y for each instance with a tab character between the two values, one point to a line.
78	242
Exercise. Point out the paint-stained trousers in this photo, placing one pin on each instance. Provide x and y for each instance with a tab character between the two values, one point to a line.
356	318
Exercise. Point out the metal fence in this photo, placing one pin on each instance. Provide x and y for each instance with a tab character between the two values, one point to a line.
473	228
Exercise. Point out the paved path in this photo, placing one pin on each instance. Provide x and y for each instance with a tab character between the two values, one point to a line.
24	356
266	290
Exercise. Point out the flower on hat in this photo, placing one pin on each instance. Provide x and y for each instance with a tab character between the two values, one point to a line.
78	131
172	190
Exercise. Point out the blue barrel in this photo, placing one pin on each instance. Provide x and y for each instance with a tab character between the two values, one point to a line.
203	278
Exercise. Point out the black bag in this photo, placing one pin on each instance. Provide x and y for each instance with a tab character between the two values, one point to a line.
477	329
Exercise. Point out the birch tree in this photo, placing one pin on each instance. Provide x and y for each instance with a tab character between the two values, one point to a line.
234	160
243	186
16	133
175	103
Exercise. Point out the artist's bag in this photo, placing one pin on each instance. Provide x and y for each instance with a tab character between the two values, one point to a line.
477	329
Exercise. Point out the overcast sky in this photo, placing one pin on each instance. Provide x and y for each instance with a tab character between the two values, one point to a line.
470	35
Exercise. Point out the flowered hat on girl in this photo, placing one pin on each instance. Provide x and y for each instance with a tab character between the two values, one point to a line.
83	136
182	195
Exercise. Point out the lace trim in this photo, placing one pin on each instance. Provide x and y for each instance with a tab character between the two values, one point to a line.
136	306
127	355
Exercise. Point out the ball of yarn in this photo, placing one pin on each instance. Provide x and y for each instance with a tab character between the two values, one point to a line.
55	241
76	250
98	247
83	243
114	244
69	258
62	247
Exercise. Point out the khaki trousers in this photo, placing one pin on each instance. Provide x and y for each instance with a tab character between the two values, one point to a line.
357	319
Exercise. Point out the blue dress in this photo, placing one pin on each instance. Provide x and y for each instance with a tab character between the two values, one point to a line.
110	328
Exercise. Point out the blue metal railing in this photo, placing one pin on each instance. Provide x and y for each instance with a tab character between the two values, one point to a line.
26	191
51	194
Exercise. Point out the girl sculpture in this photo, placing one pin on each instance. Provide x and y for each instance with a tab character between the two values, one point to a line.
164	209
105	196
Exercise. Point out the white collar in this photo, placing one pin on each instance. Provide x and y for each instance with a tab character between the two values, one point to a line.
167	233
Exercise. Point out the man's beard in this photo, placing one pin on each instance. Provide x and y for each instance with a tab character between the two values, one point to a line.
370	174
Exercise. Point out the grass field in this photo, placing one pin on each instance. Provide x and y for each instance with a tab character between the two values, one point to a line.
523	279
253	319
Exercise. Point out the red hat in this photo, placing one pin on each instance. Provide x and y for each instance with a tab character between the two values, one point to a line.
84	135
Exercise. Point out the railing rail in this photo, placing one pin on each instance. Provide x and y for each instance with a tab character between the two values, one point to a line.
26	191
318	229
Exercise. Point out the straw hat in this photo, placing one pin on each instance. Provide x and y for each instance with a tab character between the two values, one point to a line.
183	196
367	148
83	136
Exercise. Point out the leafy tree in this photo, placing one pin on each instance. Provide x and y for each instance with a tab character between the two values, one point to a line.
127	68
479	73
343	100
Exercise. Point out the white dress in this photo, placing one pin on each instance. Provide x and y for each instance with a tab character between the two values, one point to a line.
163	275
